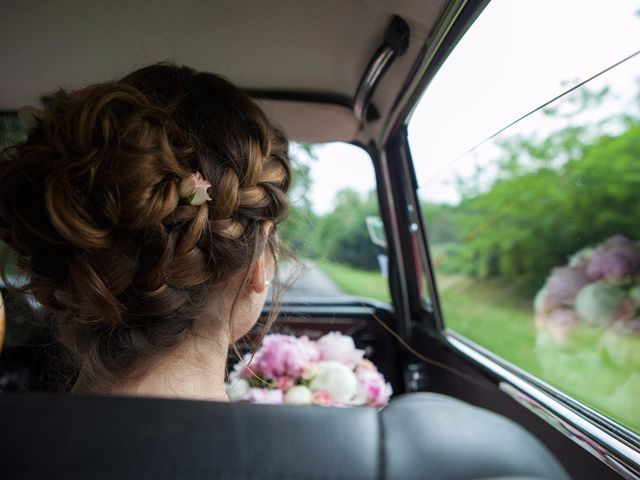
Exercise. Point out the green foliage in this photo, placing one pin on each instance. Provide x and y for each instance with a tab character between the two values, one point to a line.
338	236
11	131
527	223
550	197
294	231
441	223
343	233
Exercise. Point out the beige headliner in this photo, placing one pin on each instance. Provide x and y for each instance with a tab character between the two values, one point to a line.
314	46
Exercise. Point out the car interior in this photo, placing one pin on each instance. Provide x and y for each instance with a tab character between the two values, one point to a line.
333	71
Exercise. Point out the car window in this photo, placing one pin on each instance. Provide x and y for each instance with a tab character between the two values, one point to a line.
334	228
18	315
526	148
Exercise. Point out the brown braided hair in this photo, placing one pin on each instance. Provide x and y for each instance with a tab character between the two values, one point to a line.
90	205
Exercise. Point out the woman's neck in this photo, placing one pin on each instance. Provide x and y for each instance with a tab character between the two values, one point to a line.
195	370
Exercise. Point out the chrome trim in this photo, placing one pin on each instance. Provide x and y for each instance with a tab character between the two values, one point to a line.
369	80
617	454
431	46
566	428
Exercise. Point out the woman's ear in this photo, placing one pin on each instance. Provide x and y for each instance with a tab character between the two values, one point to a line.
259	280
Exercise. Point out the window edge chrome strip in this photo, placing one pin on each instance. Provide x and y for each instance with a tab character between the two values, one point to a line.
617	454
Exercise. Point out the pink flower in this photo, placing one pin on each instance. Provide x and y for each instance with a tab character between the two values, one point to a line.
561	322
559	319
322	398
615	259
626	327
241	369
628	309
341	348
264	396
364	363
195	189
372	388
291	370
563	286
284	355
285	383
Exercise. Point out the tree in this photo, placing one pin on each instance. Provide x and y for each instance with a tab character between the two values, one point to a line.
550	198
343	233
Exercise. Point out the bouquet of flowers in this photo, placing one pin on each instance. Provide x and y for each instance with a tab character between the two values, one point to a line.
599	287
330	371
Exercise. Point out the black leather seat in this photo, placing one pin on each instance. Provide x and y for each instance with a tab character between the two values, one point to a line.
423	436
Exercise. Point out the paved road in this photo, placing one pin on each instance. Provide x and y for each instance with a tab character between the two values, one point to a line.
309	282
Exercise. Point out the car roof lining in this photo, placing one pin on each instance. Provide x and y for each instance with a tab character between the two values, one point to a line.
291	46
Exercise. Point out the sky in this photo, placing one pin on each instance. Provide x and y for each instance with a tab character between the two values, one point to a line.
516	56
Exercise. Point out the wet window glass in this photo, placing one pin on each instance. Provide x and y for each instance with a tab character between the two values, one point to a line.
529	179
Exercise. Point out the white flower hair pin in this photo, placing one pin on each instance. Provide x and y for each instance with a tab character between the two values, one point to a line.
195	189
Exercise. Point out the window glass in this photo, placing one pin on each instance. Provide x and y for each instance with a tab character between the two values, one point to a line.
334	228
18	315
534	229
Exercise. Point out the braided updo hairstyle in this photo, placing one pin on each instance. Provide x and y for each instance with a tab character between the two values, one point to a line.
90	205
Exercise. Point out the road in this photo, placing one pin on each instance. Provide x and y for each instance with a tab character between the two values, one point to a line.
309	282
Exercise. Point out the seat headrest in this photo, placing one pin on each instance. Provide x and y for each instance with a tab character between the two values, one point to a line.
416	436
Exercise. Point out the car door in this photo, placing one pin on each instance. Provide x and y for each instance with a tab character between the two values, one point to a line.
515	184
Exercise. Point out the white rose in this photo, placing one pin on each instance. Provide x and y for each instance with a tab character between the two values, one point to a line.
362	395
597	302
580	257
336	379
338	347
298	395
539	299
237	389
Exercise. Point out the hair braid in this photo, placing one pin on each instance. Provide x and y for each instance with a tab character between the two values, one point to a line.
91	205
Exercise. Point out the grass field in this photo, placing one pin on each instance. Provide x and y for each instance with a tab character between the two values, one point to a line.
599	371
357	282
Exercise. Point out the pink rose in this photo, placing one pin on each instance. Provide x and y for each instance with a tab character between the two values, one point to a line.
283	355
195	189
563	286
563	317
240	369
322	398
372	388
615	259
340	348
285	383
626	327
628	309
561	322
264	396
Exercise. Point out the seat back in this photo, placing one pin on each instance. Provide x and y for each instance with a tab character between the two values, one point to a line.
416	436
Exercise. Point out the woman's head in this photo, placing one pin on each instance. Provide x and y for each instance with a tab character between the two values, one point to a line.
91	205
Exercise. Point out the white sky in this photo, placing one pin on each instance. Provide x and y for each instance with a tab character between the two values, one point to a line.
518	55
